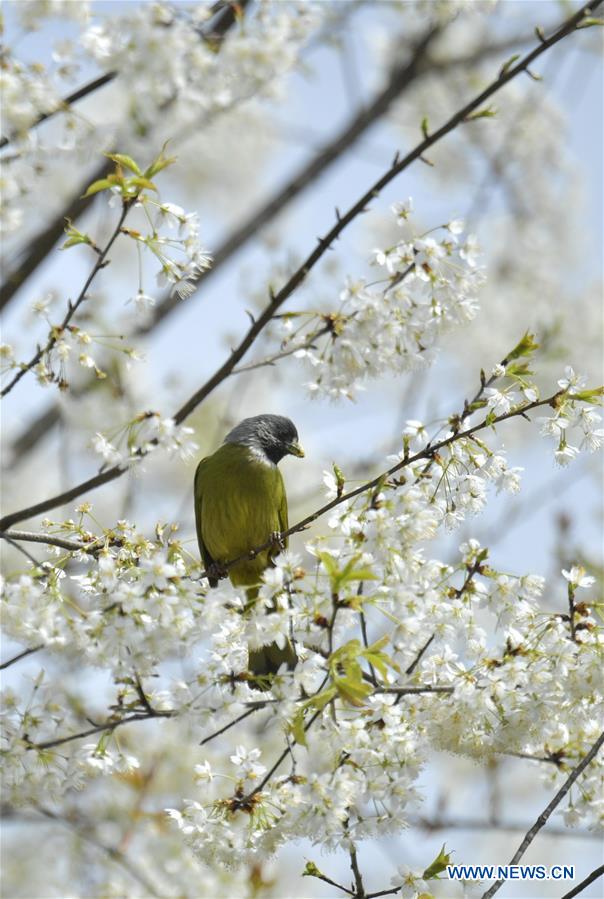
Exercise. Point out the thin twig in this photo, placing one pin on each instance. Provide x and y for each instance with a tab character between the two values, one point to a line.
551	807
320	876
235	721
23	551
280	760
68	101
358	879
585	883
436	824
21	655
91	548
419	655
106	727
413	691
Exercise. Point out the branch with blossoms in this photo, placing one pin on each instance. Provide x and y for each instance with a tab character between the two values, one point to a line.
223	15
57	332
222	18
132	190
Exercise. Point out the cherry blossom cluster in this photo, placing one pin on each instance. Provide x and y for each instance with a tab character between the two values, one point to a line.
164	56
428	284
178	272
140	436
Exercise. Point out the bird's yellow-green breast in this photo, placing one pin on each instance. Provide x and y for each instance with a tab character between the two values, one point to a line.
240	502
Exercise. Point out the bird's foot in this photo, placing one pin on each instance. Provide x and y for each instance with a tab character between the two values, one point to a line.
216	572
277	540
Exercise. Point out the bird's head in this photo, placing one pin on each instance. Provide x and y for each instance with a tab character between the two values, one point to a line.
274	436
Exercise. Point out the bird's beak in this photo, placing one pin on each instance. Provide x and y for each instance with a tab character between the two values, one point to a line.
294	449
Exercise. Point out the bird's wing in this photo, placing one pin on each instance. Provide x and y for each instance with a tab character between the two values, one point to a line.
283	518
205	555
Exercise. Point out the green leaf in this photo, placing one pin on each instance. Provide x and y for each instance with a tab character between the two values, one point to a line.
73	241
438	865
317	702
380	660
508	65
297	728
126	161
424	127
589	22
348	652
339	577
97	186
142	182
340	479
518	369
589	396
525	347
160	163
352	690
488	112
311	870
74	236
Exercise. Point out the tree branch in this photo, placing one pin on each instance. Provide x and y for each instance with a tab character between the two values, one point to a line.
92	548
68	101
585	883
401	78
427	453
436	824
21	655
106	727
323	244
358	878
551	807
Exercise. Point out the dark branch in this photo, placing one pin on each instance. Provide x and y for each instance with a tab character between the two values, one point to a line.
106	727
68	101
584	883
21	655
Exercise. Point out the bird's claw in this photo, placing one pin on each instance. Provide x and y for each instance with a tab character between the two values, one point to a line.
277	540
216	571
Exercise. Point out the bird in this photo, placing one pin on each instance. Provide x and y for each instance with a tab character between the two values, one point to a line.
241	503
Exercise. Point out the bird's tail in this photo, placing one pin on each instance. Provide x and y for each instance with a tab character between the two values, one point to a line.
265	661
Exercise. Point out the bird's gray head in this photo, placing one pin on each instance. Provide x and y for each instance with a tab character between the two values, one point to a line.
273	435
